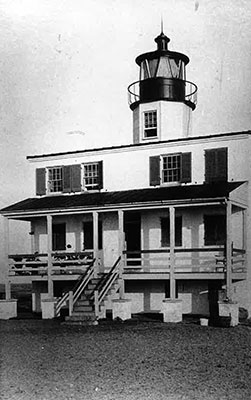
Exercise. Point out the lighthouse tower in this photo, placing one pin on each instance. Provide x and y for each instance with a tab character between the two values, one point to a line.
162	100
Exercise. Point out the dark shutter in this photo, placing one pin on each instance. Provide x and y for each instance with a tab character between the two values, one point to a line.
216	165
221	156
76	178
186	167
100	174
66	178
154	171
40	181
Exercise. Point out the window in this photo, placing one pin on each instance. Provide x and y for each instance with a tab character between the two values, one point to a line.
150	124
69	178
58	237
215	229
91	176
170	168
165	231
55	179
216	165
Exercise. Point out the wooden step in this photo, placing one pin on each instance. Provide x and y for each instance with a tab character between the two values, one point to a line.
82	309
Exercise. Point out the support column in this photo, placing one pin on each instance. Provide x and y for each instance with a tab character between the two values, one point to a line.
32	238
121	247
244	233
229	250
6	259
95	240
49	251
172	255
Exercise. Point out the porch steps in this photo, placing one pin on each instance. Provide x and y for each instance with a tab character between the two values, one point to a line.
84	308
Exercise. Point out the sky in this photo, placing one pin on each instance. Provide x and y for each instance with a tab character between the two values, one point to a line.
65	66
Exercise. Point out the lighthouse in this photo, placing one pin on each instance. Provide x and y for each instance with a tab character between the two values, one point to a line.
162	100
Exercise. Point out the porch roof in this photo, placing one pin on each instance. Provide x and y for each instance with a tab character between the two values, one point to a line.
188	194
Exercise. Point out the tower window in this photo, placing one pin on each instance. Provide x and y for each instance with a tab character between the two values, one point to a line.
150	124
55	179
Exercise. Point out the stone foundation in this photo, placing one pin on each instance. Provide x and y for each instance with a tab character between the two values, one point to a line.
48	308
8	309
121	309
172	310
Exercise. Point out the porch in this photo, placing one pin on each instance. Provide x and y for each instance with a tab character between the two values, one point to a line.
164	234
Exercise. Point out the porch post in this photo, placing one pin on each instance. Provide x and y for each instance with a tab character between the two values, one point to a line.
49	251
229	250
244	233
6	259
121	246
95	237
172	255
121	232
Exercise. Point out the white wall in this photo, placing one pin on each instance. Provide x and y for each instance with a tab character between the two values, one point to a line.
129	168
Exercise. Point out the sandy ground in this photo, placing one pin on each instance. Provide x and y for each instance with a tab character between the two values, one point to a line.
134	360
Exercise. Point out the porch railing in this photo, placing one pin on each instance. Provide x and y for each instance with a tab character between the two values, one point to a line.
69	298
204	259
37	263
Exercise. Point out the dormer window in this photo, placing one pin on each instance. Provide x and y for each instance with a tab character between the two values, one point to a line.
150	124
55	179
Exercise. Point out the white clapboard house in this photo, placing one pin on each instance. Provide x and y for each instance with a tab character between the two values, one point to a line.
161	220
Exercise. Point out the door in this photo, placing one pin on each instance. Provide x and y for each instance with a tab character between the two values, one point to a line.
58	236
132	230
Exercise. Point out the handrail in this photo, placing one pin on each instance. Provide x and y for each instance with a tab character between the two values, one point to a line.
178	250
100	293
77	289
109	279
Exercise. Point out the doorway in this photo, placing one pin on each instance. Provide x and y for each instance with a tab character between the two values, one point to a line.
132	229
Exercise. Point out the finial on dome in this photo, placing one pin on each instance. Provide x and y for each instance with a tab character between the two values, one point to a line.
162	40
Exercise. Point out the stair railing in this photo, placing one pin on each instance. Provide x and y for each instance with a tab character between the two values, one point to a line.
73	295
112	276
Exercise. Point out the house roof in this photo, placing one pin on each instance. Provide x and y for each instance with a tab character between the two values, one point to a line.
127	198
135	145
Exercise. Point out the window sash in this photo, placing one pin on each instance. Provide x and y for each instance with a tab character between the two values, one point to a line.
55	179
150	124
171	168
91	175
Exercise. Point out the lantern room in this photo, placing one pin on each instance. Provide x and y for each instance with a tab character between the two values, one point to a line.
162	82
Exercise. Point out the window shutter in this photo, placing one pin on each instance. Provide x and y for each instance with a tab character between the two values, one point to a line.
154	171
221	157
40	182
76	178
216	165
66	178
100	175
186	167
